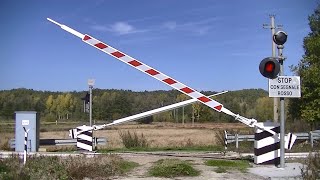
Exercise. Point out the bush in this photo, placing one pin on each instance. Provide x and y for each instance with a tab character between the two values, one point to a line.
4	144
311	169
172	168
219	135
132	140
66	168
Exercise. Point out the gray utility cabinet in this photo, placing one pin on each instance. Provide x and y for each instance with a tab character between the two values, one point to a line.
29	120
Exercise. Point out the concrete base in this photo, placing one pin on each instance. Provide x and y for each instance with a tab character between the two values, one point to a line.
291	171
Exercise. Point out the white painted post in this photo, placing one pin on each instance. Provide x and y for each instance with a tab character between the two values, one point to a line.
237	141
25	145
225	140
311	138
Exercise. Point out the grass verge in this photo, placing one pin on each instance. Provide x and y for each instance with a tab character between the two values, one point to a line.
225	165
172	168
64	168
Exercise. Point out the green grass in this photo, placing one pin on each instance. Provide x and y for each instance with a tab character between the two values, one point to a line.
170	168
127	166
224	165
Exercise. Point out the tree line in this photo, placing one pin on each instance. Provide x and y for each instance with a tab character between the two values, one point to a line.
112	104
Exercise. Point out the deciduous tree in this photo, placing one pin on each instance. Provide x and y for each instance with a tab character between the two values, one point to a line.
309	70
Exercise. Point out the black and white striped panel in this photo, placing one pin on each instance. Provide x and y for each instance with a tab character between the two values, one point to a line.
266	145
84	138
25	140
225	140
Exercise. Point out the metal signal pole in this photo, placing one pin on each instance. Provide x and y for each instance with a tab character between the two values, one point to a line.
273	30
90	83
282	114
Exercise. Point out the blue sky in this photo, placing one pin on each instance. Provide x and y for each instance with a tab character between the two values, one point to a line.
207	45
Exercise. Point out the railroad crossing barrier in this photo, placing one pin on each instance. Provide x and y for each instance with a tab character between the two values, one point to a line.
311	136
60	142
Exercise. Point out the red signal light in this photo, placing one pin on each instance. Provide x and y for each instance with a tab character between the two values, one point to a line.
269	67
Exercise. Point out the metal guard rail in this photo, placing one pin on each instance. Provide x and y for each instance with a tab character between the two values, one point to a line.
60	142
310	136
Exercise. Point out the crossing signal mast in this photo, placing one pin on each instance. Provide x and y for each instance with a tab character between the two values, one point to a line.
270	67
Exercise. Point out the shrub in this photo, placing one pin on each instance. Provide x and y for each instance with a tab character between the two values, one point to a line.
220	137
133	140
66	168
45	168
311	169
4	144
172	168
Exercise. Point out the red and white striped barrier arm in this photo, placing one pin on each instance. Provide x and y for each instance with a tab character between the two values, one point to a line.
157	75
152	72
144	68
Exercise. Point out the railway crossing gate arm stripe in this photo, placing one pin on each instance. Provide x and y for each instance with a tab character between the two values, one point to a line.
152	72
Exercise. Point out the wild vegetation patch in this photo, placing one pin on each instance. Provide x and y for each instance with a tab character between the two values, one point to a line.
64	168
311	169
172	168
133	140
225	165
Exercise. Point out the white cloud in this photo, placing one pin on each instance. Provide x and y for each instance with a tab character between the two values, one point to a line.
122	28
171	25
119	28
197	28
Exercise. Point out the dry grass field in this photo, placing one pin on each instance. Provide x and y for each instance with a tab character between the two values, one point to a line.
157	134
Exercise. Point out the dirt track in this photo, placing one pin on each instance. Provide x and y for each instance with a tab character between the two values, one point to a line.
207	172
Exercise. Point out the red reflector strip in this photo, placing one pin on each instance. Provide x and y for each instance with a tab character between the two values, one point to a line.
86	37
117	54
152	72
135	63
187	90
101	45
169	81
204	99
218	107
